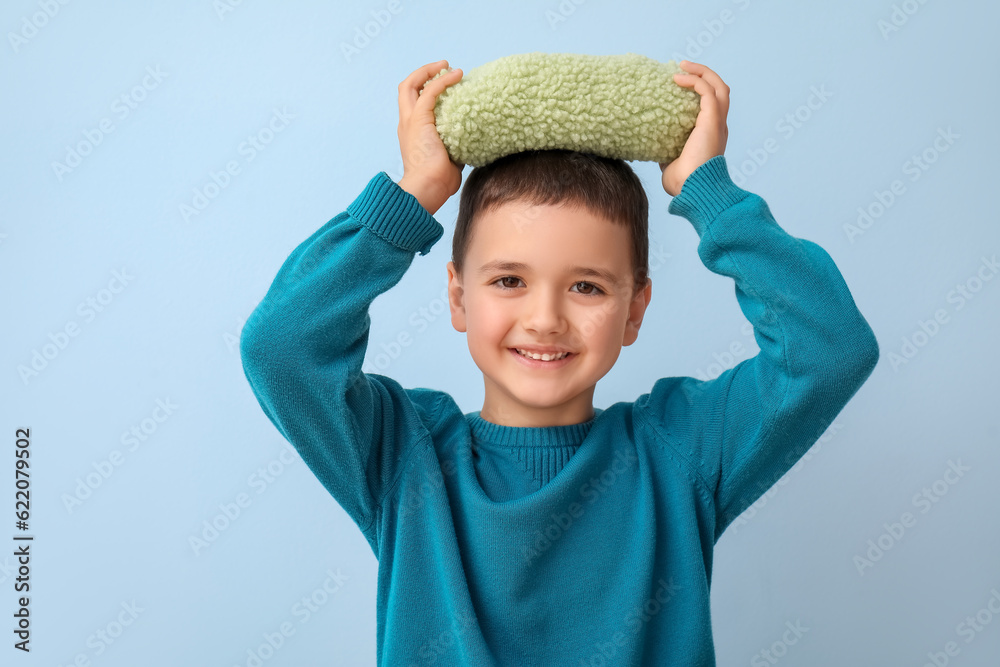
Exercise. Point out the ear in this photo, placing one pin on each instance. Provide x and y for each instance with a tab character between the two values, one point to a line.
456	299
636	310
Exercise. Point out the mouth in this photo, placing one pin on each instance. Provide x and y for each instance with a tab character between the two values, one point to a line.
540	363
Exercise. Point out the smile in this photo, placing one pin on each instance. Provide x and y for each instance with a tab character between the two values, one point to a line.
557	362
542	356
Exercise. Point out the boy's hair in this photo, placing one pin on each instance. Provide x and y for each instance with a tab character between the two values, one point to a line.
607	187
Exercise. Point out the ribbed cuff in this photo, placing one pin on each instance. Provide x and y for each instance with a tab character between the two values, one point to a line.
707	192
395	215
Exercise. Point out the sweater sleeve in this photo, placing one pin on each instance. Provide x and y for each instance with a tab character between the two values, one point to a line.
303	345
743	430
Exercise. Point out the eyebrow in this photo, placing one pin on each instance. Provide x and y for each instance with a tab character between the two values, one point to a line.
506	265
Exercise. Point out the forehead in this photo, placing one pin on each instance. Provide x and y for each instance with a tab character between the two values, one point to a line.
520	230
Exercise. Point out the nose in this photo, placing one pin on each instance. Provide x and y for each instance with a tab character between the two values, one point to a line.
544	312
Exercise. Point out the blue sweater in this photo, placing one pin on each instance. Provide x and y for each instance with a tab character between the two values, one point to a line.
580	545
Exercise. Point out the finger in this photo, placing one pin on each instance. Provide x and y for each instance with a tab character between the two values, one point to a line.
709	102
721	89
409	89
428	96
704	88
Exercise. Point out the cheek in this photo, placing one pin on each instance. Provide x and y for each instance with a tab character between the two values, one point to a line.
488	321
600	338
606	328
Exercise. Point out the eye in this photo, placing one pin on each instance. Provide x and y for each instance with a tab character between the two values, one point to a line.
499	282
595	290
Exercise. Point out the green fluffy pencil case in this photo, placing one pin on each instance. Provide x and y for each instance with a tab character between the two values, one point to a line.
618	106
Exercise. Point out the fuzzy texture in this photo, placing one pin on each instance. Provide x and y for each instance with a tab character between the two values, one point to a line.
618	106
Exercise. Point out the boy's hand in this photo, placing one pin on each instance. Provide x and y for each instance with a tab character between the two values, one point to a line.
429	173
708	138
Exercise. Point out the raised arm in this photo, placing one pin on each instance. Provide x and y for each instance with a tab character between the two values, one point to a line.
740	432
744	429
303	346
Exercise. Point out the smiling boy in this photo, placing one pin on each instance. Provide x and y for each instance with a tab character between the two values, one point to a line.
543	308
541	530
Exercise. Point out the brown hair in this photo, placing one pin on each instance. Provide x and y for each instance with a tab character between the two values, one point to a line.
607	187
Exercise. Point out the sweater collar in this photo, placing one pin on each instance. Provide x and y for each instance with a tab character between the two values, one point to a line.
530	436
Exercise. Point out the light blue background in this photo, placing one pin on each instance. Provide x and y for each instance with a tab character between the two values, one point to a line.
171	333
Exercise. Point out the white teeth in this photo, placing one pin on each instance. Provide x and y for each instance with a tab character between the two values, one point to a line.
543	357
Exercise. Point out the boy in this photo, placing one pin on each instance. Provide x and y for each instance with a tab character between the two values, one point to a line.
540	530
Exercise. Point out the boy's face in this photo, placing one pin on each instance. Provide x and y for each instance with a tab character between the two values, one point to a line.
550	302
